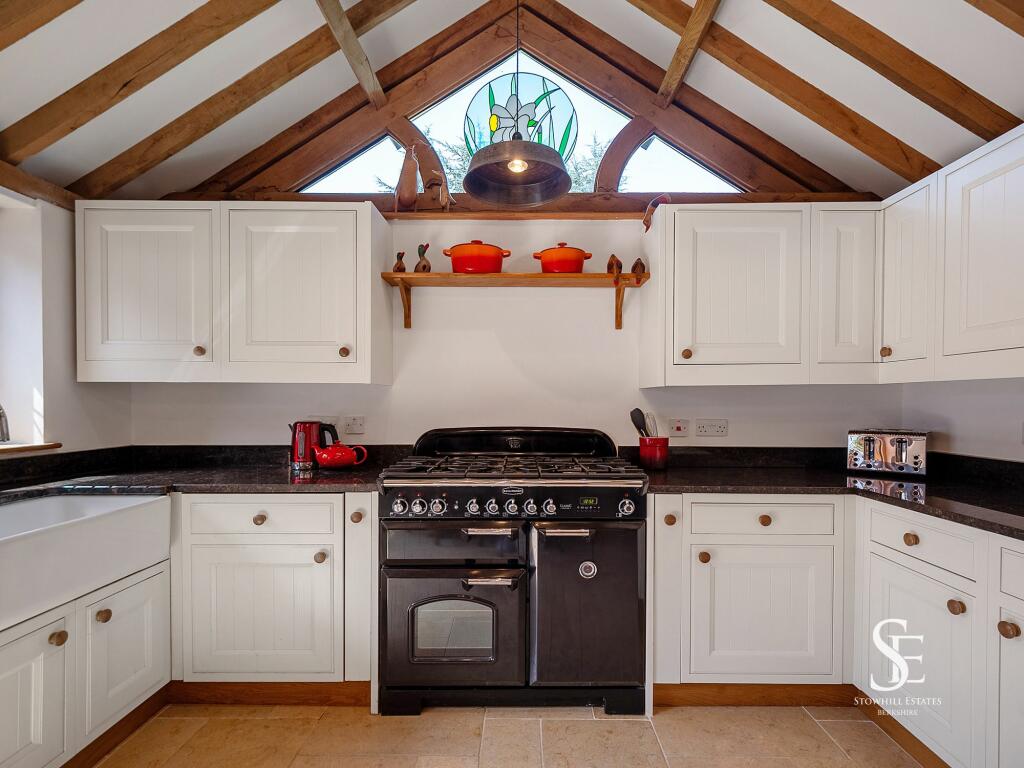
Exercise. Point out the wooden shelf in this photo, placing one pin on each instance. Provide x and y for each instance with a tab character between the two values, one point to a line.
406	281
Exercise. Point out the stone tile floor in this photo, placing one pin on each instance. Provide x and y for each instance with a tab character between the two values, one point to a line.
349	737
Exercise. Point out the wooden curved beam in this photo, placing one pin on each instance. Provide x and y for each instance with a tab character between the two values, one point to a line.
431	167
609	172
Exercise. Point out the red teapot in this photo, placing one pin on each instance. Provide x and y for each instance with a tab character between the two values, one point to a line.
336	455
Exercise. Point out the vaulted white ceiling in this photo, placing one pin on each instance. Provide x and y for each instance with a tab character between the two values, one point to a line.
952	34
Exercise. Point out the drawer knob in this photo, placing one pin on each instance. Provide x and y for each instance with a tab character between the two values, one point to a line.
199	350
704	557
670	519
319	557
104	615
259	519
687	353
1008	629
58	638
911	539
356	517
765	520
885	352
344	352
956	607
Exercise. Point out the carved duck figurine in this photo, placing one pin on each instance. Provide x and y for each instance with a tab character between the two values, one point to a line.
638	268
423	265
614	267
405	190
652	207
399	264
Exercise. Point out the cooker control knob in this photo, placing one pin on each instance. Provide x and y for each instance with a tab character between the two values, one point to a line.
530	507
399	506
419	506
438	506
626	507
511	507
491	507
549	507
472	507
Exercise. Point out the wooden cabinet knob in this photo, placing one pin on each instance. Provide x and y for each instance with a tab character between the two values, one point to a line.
259	519
319	557
704	557
911	539
356	517
1008	629
58	638
956	607
199	350
104	615
344	352
687	353
670	519
765	520
885	352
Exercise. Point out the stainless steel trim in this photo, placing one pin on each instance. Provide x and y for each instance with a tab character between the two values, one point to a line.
506	532
488	582
574	532
485	482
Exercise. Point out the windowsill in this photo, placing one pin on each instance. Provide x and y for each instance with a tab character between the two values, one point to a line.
6	448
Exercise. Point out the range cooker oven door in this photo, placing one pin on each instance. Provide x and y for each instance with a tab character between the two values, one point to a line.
587	594
454	627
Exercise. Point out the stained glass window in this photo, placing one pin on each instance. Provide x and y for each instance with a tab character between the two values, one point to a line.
657	166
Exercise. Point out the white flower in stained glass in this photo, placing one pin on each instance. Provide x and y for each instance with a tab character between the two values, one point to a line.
512	118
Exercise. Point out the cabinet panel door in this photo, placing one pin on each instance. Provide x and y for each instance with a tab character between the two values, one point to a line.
262	609
360	585
292	283
844	286
947	669
761	610
907	262
1008	678
32	699
984	221
127	651
148	284
738	283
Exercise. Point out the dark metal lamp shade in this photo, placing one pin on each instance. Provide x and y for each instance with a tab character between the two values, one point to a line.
490	179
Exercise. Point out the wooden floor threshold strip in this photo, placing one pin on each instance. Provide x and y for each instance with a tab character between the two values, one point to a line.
349	694
754	695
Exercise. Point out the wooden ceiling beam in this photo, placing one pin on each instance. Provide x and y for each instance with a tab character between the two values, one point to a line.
19	18
125	76
835	117
1009	13
226	103
689	43
22	182
617	154
348	40
897	63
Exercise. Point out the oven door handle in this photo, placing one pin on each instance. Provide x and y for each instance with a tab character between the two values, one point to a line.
493	582
506	532
580	533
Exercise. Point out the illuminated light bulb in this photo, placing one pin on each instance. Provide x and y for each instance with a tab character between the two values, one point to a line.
517	165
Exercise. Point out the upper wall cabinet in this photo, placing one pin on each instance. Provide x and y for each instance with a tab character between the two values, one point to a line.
146	287
266	292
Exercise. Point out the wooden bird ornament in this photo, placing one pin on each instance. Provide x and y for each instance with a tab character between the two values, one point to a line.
399	263
423	265
614	267
639	268
652	207
405	190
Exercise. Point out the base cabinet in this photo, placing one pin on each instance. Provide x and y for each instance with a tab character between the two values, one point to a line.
1007	680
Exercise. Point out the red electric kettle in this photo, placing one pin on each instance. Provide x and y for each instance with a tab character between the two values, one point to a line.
307	436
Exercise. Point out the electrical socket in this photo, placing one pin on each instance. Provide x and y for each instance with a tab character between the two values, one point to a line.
679	428
355	425
712	427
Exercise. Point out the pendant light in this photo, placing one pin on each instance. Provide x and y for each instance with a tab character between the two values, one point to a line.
517	173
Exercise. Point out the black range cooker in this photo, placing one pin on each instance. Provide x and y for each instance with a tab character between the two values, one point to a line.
513	572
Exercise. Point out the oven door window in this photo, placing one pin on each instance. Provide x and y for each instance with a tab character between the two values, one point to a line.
453	629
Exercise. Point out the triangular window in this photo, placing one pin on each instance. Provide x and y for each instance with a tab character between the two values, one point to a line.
373	170
657	166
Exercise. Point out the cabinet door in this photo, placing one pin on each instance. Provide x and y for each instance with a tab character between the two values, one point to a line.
32	698
984	229
761	610
907	263
738	282
1009	679
148	285
843	273
360	584
126	651
942	679
263	609
292	284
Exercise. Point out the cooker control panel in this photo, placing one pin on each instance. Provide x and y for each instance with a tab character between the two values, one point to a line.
510	502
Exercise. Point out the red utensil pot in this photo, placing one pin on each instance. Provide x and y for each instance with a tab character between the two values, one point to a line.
562	258
654	452
476	256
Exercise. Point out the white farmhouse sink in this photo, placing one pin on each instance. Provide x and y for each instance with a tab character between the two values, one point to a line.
54	549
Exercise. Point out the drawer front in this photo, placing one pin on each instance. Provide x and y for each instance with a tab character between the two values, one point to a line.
924	542
262	517
455	542
762	518
1011	572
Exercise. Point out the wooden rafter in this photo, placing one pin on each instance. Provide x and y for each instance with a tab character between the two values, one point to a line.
17	180
19	18
618	152
348	40
125	76
810	101
226	103
1010	13
689	43
914	74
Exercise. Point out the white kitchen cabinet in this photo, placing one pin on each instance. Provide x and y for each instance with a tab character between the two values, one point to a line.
844	282
360	584
36	686
147	284
1006	681
124	652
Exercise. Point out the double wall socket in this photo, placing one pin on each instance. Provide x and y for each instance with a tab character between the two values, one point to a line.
712	427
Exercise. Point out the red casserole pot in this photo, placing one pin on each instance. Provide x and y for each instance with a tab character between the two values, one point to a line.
562	259
476	256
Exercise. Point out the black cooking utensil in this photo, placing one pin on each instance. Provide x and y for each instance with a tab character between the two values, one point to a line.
639	421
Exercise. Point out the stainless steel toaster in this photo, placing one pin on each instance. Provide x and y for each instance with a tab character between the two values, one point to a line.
887	450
